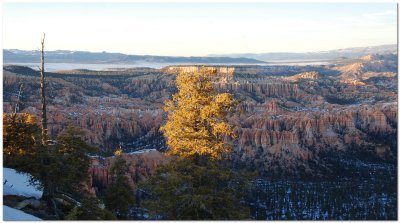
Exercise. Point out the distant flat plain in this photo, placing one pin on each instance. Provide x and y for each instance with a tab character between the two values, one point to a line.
111	66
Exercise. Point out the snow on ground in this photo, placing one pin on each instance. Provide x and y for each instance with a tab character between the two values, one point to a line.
143	151
18	184
11	214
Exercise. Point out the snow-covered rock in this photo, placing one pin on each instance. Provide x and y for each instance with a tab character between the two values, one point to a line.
18	184
11	214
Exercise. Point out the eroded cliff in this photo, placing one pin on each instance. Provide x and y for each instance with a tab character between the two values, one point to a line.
288	122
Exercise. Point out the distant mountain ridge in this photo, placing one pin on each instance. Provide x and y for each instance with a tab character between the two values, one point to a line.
320	55
66	56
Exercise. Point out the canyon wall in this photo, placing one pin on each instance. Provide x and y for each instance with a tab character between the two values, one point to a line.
250	70
291	141
286	125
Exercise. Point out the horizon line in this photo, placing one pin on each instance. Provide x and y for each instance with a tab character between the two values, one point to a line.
211	54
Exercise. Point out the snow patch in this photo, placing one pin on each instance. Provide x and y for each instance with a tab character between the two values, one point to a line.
18	184
143	151
11	214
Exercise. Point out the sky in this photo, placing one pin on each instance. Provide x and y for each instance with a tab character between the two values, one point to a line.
198	29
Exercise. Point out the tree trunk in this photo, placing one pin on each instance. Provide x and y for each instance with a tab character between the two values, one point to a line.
42	94
16	108
48	187
48	192
48	196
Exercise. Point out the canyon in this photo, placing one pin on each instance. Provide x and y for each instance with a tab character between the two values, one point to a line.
291	121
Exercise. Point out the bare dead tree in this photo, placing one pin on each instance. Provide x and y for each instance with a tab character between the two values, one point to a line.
16	108
42	94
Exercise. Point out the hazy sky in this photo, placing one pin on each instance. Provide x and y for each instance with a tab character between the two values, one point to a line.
198	29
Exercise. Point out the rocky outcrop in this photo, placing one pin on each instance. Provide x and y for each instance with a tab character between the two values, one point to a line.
305	75
368	64
245	71
221	70
140	166
293	139
261	90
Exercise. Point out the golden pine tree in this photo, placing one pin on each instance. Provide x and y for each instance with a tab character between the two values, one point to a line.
196	117
19	134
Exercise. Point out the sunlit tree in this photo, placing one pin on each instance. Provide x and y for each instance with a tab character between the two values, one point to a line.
196	117
20	134
198	184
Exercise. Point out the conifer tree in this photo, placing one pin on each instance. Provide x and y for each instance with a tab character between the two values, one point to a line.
198	185
63	166
20	133
192	190
119	197
73	157
90	209
57	168
196	116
